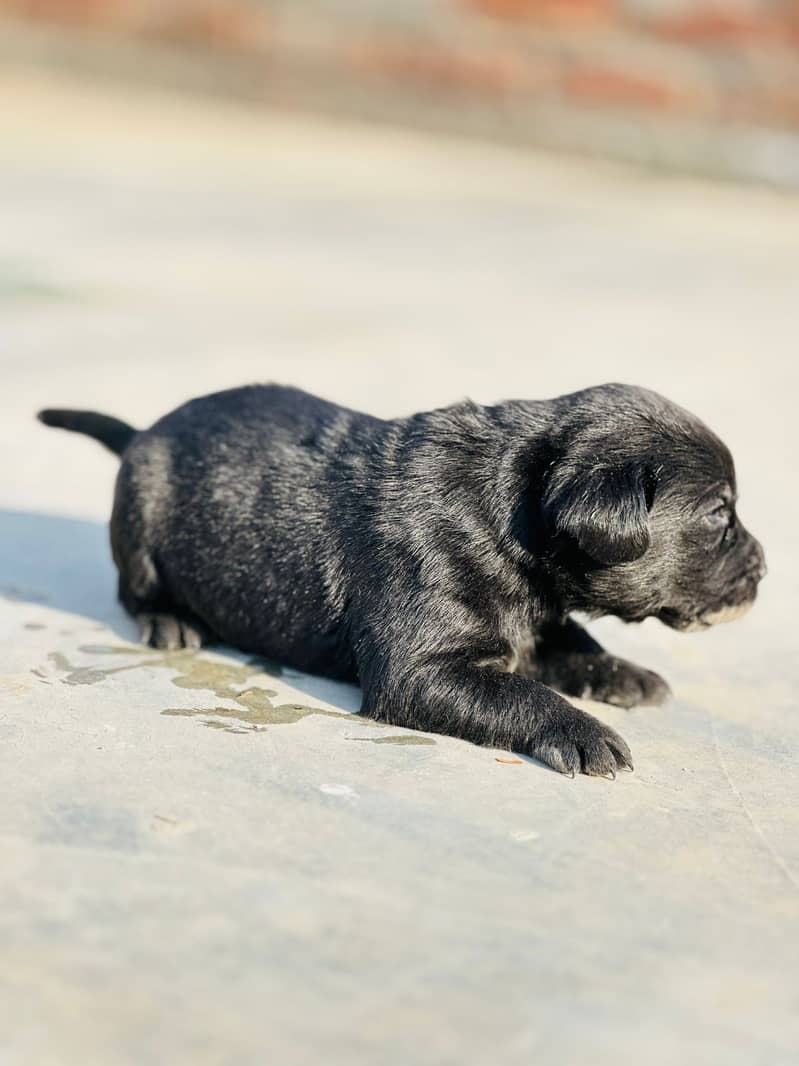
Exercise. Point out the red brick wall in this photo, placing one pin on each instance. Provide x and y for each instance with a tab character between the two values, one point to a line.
703	84
219	23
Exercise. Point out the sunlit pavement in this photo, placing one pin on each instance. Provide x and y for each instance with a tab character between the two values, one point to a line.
196	868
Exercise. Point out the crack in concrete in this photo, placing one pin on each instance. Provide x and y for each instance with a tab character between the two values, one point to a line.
776	857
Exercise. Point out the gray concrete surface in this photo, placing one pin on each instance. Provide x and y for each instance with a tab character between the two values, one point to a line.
196	868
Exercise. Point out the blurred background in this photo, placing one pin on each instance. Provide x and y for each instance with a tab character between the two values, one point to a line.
393	204
707	86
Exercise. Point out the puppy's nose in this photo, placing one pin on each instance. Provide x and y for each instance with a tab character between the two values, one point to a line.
758	564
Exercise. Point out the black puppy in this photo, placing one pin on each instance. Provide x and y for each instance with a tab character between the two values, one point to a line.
433	559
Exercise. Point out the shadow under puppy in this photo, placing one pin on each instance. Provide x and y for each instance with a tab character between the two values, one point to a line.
433	559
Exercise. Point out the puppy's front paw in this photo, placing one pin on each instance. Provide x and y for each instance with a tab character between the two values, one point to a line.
606	679
573	742
624	684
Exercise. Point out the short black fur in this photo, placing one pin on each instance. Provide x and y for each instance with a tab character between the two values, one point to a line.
434	559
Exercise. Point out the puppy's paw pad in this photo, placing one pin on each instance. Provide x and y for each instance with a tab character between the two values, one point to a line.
169	633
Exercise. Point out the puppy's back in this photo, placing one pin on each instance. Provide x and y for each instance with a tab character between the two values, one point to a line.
231	495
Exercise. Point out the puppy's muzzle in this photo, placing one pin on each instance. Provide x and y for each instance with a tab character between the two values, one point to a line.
740	601
729	612
735	604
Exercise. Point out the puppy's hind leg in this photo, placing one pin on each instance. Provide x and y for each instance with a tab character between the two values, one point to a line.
571	661
142	494
161	623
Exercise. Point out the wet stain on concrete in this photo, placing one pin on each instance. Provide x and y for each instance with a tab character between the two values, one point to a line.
404	740
111	649
75	675
193	672
255	713
212	723
254	710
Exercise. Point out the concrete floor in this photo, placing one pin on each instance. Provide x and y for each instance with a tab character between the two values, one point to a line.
198	869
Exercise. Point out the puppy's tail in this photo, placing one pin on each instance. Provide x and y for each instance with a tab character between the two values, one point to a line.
113	433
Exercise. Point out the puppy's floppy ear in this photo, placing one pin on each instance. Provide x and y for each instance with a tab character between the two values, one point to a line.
605	509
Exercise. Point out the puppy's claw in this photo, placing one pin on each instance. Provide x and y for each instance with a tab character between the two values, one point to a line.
563	757
169	633
598	760
192	637
575	742
624	759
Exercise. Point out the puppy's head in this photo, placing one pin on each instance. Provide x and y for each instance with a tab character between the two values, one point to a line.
640	507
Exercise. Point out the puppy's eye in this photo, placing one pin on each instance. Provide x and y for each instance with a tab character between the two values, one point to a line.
718	518
718	514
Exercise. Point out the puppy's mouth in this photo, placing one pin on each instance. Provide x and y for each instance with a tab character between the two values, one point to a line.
695	623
